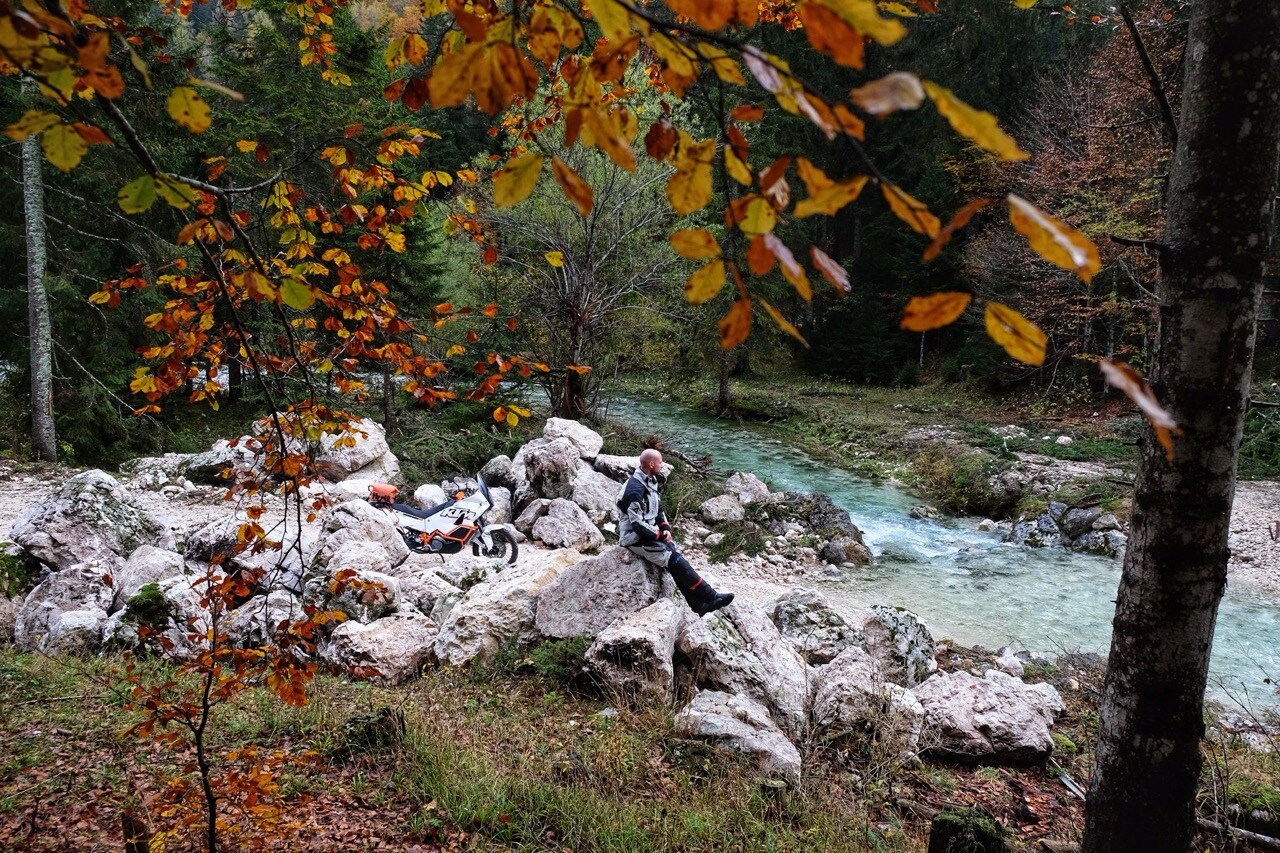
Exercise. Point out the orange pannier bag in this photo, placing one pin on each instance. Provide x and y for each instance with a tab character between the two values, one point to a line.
382	493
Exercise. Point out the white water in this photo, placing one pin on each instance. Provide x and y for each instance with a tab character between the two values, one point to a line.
966	584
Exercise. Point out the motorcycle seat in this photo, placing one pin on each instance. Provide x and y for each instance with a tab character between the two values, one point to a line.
420	513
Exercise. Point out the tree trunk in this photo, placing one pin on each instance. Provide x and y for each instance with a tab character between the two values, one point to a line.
43	440
1222	188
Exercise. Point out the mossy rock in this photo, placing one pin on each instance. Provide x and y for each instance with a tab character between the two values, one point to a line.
1063	744
971	830
149	607
16	576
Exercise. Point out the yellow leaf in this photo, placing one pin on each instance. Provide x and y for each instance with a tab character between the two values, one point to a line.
977	126
188	109
255	285
695	243
614	20
830	198
782	322
63	146
556	259
911	211
296	294
415	49
1020	338
689	189
736	325
1134	385
737	169
575	189
137	195
759	219
863	16
815	180
705	283
512	418
32	122
724	65
934	311
900	90
1054	240
456	349
897	9
514	181
1025	4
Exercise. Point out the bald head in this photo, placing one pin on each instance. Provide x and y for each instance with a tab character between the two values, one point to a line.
651	462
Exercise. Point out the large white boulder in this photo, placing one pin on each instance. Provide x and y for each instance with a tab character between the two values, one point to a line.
359	520
587	440
595	493
178	614
900	643
90	517
632	658
423	589
258	620
389	651
498	472
995	718
500	513
747	488
67	611
500	609
739	650
546	469
812	626
364	595
590	595
153	473
738	724
384	469
283	567
721	508
344	453
851	696
428	495
566	526
147	564
536	509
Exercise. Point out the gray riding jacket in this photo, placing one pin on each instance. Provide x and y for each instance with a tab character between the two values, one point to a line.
640	515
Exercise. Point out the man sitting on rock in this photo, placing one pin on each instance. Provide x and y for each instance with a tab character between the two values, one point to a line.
643	529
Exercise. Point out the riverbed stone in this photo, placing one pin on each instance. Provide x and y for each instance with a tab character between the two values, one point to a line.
845	549
592	594
344	453
852	697
1078	521
497	472
587	440
89	517
813	627
720	509
900	643
995	718
428	496
746	487
632	657
739	724
530	514
67	611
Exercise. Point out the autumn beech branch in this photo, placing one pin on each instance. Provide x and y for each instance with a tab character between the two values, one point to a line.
1157	85
1149	245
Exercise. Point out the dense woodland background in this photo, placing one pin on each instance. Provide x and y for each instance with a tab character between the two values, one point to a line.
1073	91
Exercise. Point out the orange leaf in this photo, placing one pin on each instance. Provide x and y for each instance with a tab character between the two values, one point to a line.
832	35
911	211
782	322
695	243
759	257
934	311
1135	387
832	271
575	189
960	220
864	17
900	90
1054	240
736	325
708	14
747	112
1020	338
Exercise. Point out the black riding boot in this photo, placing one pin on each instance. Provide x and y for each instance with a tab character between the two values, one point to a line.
700	595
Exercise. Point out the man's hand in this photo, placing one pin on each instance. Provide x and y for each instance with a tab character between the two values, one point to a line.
664	536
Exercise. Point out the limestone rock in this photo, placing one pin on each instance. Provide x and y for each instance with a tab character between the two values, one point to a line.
1008	662
851	696
423	589
256	622
845	549
67	611
812	626
500	513
359	520
338	460
721	508
632	657
549	469
994	718
155	472
566	526
900	643
534	511
498	610
226	460
396	646
590	595
90	517
497	472
588	441
925	512
147	564
281	568
747	488
466	570
365	596
1078	521
428	495
595	493
739	650
8	617
738	724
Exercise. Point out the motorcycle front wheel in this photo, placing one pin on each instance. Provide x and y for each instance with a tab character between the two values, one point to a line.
504	545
